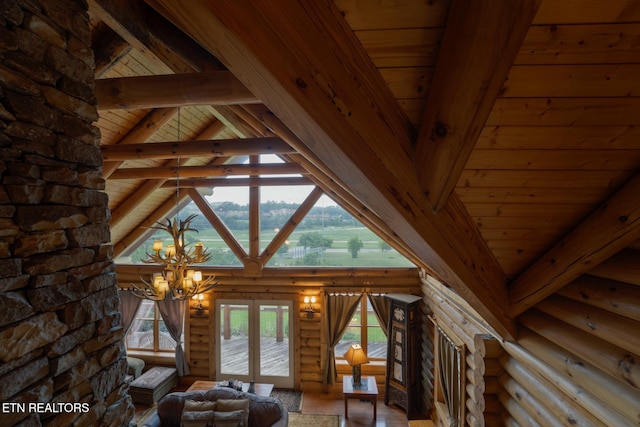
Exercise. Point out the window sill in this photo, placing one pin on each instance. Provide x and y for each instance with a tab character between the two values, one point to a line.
153	357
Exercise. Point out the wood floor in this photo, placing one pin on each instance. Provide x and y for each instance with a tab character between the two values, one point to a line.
360	413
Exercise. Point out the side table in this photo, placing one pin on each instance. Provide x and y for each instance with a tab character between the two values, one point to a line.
368	392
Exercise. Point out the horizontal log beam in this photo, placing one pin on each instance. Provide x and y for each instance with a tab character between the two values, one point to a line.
610	228
607	357
350	273
172	90
218	148
142	131
205	171
620	396
253	181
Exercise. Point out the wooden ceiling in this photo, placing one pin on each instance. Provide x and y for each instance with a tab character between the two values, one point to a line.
496	143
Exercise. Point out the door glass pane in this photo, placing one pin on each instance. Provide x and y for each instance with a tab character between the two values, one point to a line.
274	340
234	339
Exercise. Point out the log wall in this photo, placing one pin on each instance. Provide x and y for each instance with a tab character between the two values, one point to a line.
482	366
200	345
579	346
575	360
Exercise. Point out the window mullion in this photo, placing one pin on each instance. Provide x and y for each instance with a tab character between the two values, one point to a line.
364	329
156	329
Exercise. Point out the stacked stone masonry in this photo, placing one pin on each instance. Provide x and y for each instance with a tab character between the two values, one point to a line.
61	340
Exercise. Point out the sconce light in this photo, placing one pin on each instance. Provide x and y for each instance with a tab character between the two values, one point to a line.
198	304
309	301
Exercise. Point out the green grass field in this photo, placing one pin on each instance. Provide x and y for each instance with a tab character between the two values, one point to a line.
337	255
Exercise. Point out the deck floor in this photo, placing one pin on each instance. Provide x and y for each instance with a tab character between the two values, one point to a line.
274	359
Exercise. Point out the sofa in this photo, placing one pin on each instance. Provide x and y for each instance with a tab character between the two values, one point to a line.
263	411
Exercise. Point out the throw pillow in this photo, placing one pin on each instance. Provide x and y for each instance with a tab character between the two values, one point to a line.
198	414
199	405
229	419
229	405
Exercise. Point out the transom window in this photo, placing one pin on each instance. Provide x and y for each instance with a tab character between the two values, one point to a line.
148	331
366	331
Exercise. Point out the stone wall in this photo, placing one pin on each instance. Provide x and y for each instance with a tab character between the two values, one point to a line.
60	335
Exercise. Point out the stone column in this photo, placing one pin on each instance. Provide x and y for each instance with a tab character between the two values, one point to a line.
61	343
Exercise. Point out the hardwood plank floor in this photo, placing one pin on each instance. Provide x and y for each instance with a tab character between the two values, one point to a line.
360	413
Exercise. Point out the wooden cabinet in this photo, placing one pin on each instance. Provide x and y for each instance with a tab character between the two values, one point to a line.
402	384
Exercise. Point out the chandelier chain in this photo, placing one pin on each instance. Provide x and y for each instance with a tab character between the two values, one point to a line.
178	170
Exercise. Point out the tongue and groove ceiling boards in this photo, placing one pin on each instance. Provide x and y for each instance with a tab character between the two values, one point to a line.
493	143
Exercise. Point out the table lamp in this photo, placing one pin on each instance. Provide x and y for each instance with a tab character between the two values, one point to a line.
356	356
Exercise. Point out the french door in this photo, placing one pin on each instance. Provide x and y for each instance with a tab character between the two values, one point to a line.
254	341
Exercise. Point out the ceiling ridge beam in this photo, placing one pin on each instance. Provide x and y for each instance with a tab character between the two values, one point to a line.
172	90
480	43
613	226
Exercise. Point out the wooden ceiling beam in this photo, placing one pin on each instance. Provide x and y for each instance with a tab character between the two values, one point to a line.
240	182
195	148
142	192
142	231
254	216
142	131
173	171
172	90
610	228
149	187
108	48
307	66
217	223
152	35
285	231
480	43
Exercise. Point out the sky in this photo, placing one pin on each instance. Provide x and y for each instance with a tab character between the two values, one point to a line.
289	194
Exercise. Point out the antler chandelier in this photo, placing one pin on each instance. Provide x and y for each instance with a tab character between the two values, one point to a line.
178	280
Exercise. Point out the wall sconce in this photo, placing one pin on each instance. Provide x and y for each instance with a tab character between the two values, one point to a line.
198	304
309	301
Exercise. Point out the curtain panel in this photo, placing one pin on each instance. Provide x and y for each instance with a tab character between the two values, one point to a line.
173	312
129	304
381	307
339	310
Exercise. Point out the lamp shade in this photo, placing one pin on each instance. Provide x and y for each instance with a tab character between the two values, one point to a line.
356	355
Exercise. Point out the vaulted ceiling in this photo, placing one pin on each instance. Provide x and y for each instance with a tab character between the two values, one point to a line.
495	143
